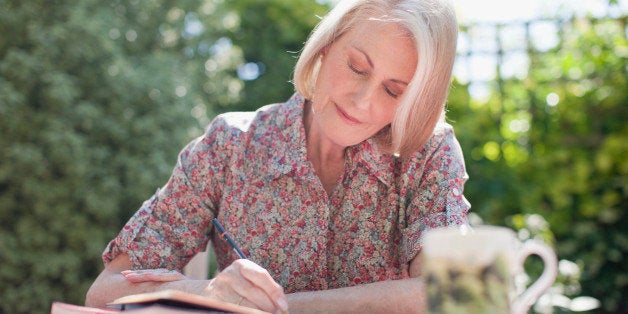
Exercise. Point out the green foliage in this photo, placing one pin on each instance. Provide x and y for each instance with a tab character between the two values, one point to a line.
570	165
271	33
583	155
95	102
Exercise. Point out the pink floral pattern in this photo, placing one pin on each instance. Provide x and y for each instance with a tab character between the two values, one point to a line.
251	171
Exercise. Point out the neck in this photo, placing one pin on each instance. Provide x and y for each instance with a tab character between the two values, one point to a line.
327	157
320	149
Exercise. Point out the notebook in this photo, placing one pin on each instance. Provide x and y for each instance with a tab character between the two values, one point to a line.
179	299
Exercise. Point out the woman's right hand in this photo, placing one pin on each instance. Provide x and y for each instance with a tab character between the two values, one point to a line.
249	284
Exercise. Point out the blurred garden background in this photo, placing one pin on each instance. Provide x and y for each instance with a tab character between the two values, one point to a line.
98	97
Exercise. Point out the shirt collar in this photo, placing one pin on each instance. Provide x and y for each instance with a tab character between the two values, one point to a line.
367	154
290	153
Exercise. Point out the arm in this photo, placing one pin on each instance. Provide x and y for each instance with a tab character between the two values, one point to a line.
111	284
243	282
172	226
393	296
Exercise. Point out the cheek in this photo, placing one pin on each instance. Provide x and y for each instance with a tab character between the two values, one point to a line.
387	117
335	78
384	112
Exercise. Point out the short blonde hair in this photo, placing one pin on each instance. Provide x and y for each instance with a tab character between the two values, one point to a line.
434	28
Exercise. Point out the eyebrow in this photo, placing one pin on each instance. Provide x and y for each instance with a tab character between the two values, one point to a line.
400	82
368	59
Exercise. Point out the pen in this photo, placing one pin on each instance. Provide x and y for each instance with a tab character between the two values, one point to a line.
227	237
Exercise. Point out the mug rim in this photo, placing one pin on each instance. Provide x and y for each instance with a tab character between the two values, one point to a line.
442	241
467	230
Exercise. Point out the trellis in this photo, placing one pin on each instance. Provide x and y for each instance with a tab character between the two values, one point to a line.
489	53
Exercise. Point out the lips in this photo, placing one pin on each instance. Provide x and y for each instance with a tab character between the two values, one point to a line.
346	116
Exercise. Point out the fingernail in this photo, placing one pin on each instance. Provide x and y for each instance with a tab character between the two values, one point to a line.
132	275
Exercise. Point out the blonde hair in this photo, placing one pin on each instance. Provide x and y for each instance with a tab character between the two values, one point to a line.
434	28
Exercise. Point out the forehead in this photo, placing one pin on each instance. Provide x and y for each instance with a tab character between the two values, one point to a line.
386	43
380	35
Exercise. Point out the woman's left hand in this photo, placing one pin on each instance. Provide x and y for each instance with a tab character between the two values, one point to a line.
158	275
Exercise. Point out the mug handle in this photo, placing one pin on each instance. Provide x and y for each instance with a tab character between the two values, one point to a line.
524	301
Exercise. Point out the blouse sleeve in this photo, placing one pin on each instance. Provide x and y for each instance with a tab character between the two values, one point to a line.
438	200
174	223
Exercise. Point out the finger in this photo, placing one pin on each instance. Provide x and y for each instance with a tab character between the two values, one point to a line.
262	280
158	275
252	296
230	286
148	270
167	275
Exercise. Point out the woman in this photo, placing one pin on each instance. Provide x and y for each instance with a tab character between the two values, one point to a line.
329	193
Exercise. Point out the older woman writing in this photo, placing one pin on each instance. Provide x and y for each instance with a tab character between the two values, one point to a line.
329	193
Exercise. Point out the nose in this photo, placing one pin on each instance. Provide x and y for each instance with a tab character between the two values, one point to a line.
363	95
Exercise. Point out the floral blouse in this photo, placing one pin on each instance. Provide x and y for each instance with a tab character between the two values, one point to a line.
250	170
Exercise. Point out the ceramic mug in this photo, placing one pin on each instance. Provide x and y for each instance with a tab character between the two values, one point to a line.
473	269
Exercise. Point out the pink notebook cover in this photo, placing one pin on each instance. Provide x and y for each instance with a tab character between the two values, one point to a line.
64	308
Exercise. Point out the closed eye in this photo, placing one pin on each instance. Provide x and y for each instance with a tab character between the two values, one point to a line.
355	70
390	93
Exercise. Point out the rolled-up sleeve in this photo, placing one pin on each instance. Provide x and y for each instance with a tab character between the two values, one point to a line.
174	224
438	201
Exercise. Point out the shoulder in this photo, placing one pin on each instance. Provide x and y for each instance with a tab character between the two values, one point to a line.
443	138
235	124
442	146
236	134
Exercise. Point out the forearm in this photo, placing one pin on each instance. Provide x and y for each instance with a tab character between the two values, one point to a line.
111	284
393	296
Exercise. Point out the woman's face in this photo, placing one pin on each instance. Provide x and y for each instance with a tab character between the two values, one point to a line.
362	77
